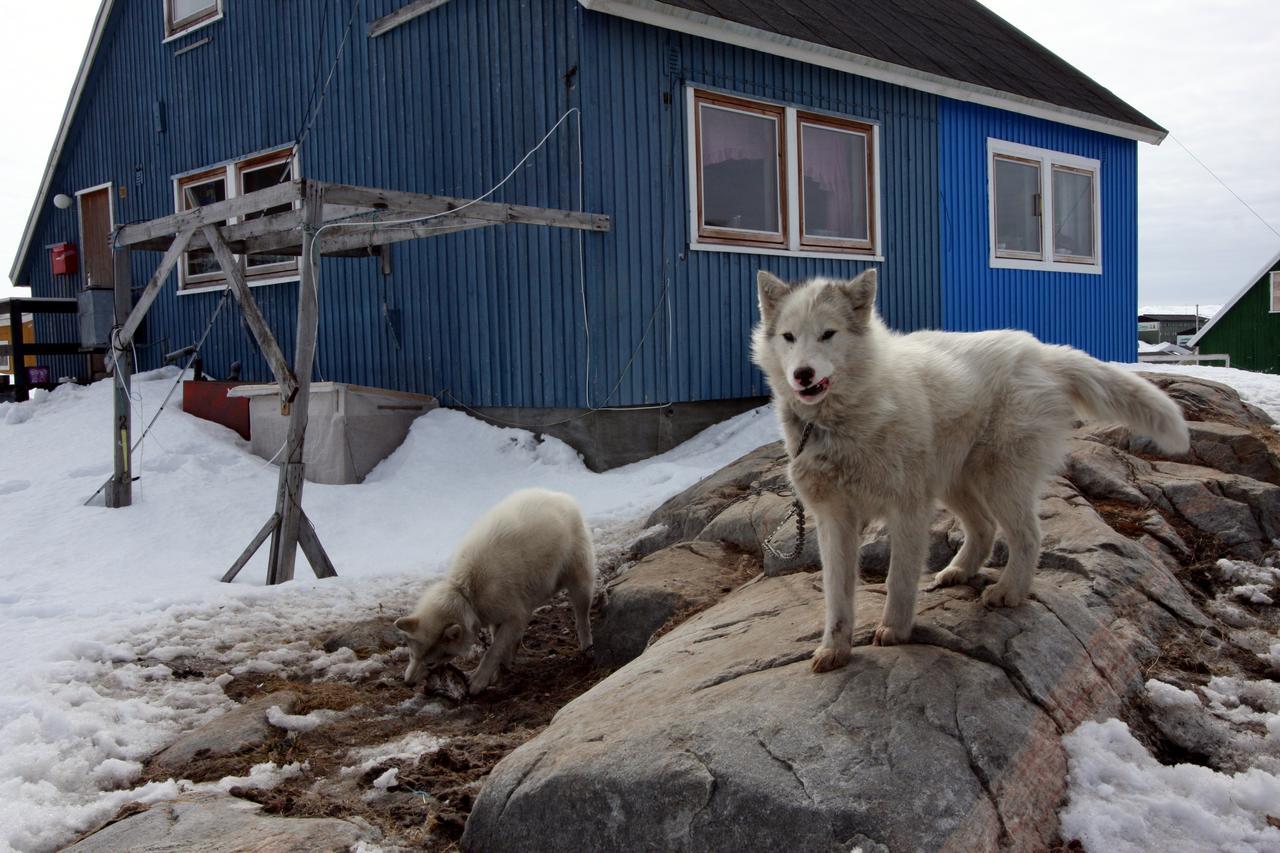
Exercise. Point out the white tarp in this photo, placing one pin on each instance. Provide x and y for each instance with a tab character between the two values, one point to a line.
350	428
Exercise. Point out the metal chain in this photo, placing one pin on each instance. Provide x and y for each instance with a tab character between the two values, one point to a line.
796	512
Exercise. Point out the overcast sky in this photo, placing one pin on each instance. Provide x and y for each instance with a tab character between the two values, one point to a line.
1206	71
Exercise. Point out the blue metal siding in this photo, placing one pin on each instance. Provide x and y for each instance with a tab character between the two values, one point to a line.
447	104
1093	312
635	80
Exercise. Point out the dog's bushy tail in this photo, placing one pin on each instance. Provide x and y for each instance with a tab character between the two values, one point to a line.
1109	393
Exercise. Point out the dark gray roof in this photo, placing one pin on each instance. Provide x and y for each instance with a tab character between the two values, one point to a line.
958	39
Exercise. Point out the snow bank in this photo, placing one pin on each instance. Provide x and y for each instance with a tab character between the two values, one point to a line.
107	605
1121	800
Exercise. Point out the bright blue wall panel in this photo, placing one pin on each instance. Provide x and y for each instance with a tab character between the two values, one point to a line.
1093	312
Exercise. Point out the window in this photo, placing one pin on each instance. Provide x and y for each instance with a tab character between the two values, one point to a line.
1275	292
1044	210
181	16
740	147
835	183
199	267
772	179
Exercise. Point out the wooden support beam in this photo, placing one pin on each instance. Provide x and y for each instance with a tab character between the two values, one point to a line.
41	304
209	214
284	224
257	323
292	470
419	203
316	556
120	489
41	348
18	353
403	15
267	529
155	285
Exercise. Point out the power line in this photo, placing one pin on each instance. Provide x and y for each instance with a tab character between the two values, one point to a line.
1224	185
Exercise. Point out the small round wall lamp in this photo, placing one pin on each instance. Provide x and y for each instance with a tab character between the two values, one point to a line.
62	201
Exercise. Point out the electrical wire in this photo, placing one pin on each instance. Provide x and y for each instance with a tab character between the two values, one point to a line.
1246	204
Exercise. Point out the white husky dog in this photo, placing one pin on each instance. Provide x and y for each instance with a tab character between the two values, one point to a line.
516	556
898	423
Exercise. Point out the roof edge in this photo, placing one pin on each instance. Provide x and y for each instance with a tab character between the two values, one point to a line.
55	153
718	29
1249	285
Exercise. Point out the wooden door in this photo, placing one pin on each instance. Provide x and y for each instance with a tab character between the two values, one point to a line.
96	222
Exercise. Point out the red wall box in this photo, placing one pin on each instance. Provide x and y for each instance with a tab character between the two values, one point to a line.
64	258
209	400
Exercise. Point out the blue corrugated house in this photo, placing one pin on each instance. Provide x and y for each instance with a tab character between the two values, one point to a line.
992	184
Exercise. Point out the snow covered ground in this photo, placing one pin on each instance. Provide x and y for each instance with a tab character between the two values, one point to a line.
94	603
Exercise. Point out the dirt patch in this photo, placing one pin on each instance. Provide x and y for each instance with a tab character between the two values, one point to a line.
426	804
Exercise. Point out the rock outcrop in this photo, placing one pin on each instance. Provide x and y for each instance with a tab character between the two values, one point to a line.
205	823
240	729
670	585
719	737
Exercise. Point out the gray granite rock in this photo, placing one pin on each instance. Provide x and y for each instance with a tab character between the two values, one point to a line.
239	729
370	637
681	579
216	823
720	738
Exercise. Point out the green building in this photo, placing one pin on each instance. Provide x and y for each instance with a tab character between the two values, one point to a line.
1248	327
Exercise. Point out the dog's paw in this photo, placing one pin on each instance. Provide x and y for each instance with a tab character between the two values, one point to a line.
886	636
1000	594
826	658
477	684
950	576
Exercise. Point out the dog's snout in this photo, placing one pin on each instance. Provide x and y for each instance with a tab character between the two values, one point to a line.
804	375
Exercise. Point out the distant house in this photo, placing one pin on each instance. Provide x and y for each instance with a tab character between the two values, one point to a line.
991	183
28	335
1248	326
1169	328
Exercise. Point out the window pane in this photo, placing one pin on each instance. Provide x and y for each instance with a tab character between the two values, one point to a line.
262	178
739	170
183	9
201	261
1017	219
1072	213
835	183
1275	291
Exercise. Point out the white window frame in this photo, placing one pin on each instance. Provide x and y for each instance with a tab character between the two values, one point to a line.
791	182
1047	159
231	172
194	23
1274	281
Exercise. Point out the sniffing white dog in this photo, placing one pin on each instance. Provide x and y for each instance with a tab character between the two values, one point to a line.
513	559
975	421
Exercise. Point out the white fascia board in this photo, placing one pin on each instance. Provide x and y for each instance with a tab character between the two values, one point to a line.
55	153
1222	312
718	29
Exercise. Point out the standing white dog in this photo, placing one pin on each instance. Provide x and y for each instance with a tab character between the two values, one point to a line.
898	423
516	556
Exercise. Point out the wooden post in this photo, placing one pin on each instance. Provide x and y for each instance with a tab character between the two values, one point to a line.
17	353
284	544
120	489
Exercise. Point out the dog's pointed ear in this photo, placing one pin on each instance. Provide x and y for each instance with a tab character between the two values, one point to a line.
451	634
861	292
407	624
772	290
